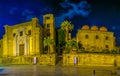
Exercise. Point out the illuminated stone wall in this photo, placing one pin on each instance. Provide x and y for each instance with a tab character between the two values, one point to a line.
96	40
47	59
43	59
23	39
90	59
118	60
49	28
1	47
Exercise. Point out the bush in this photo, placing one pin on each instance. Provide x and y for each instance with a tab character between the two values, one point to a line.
105	51
80	51
65	52
114	52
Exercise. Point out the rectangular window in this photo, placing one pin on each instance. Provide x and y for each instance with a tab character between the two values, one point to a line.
97	37
47	18
29	32
106	46
21	33
48	25
14	34
86	36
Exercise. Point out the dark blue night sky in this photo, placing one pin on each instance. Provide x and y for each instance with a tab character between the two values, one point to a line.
79	12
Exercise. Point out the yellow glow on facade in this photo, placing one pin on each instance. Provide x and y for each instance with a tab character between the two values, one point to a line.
23	39
96	40
23	43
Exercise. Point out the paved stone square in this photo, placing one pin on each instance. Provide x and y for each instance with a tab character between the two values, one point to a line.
40	70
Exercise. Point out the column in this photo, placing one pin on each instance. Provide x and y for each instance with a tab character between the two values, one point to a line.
25	40
14	46
18	41
28	43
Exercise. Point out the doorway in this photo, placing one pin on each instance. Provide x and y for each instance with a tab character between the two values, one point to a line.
21	49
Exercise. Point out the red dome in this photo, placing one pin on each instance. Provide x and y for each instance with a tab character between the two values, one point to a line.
85	27
95	28
103	28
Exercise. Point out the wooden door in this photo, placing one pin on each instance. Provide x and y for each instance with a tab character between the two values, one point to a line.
21	49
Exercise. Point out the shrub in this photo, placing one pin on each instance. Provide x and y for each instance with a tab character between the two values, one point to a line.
114	52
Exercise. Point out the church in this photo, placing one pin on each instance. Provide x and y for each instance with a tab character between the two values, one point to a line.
22	43
26	39
94	39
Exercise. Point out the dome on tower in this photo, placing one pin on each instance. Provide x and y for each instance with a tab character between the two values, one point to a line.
85	27
95	28
103	28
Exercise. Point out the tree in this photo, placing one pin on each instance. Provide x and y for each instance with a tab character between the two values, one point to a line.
60	40
47	42
80	46
71	44
67	26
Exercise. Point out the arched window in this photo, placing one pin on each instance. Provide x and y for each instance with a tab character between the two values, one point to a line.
106	38
29	32
106	46
48	26
97	37
21	33
14	34
86	36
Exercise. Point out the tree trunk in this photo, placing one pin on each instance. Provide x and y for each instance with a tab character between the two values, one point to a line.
67	34
48	49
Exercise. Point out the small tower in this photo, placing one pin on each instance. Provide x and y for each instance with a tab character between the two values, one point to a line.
49	28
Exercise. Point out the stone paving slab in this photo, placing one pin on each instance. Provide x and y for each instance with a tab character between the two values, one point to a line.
38	70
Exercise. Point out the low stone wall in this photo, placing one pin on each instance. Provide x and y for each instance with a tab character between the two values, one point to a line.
18	60
90	59
43	59
47	59
118	60
0	59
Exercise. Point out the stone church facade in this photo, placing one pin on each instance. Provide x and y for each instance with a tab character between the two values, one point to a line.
24	44
26	39
95	39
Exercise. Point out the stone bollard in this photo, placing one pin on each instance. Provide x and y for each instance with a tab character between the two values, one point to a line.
93	72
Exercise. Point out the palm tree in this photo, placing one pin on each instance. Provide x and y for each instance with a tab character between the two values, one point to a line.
61	40
47	42
67	26
71	44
